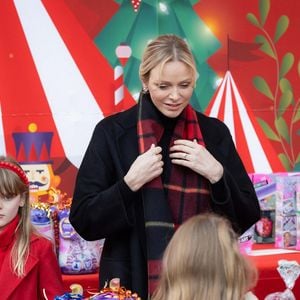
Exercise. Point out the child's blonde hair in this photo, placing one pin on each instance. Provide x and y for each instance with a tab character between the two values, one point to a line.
203	261
11	185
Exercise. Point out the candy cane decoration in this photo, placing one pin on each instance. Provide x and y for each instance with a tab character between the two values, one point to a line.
123	52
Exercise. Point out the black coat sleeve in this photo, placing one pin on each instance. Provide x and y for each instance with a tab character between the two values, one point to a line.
102	202
234	195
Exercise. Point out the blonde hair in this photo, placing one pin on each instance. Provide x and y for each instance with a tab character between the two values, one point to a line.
11	186
163	49
203	261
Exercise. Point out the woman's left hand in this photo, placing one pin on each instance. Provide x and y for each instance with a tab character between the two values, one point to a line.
196	157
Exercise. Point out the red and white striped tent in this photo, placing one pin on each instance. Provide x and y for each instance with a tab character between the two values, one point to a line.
252	145
52	75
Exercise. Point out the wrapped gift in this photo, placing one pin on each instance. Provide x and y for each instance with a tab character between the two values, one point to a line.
289	272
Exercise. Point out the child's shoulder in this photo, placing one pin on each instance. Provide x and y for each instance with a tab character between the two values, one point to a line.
40	242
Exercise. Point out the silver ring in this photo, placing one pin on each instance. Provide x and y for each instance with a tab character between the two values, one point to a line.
185	156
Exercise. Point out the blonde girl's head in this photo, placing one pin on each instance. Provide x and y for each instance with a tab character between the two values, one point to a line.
163	49
202	261
13	182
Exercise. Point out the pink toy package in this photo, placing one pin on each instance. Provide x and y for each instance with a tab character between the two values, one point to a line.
260	179
298	214
286	211
246	241
76	255
286	231
264	229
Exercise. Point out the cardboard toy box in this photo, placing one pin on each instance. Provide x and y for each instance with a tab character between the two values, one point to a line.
286	211
264	229
277	195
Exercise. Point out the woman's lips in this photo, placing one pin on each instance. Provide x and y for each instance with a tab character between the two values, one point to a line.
173	106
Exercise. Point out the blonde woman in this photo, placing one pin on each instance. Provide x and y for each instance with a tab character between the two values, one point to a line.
150	168
202	261
28	265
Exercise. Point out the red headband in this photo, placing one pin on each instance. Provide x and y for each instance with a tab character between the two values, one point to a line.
12	167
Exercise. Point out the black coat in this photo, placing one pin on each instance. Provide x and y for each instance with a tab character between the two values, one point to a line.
104	207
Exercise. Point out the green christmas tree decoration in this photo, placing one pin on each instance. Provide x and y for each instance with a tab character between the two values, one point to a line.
137	26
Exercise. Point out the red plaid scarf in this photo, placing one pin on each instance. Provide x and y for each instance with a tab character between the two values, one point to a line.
187	192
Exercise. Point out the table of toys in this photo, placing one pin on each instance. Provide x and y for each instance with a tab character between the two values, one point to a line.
273	243
277	268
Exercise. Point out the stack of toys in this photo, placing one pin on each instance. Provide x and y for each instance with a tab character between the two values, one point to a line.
113	291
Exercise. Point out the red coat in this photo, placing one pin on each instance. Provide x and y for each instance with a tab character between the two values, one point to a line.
42	272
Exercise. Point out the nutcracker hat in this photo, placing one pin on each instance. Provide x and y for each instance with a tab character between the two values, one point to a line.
33	147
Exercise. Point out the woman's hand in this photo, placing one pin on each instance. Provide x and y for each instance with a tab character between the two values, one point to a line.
196	157
146	167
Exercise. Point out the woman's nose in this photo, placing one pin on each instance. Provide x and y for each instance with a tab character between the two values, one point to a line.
174	93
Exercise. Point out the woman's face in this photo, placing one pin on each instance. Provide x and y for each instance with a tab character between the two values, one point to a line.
171	88
8	209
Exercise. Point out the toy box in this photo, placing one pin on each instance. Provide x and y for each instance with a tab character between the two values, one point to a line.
298	214
76	255
286	231
264	229
277	195
286	211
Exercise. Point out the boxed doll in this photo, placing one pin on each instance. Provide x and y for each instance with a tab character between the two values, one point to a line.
286	211
264	229
286	231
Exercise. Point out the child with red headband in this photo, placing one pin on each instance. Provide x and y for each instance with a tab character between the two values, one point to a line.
28	265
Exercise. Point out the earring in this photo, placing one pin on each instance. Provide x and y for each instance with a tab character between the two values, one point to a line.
145	90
